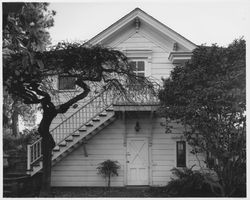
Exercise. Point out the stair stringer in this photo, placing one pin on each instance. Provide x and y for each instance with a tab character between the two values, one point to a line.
77	139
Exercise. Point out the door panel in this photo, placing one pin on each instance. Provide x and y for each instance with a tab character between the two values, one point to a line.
137	161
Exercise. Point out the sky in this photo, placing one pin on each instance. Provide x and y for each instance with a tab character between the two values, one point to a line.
200	21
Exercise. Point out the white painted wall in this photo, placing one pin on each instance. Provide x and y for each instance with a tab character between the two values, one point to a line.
159	65
78	170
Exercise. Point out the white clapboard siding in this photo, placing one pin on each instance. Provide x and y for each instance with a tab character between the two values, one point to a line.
160	65
77	170
163	153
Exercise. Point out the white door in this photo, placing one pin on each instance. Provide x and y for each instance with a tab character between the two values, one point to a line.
137	161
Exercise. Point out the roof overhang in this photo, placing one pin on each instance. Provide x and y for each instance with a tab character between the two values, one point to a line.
128	20
179	57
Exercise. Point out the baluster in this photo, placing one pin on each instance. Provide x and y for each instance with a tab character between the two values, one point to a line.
36	150
39	149
28	156
34	153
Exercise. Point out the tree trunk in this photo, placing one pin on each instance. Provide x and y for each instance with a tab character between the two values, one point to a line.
49	113
47	163
109	182
48	144
14	125
14	118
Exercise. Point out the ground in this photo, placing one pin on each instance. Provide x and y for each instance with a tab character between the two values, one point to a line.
103	192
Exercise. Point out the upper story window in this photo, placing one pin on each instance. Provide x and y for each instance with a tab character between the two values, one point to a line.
138	66
181	154
66	83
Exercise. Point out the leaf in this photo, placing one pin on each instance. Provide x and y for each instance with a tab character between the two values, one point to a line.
17	72
40	64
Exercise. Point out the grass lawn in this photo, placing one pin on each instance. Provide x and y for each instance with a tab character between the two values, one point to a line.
103	192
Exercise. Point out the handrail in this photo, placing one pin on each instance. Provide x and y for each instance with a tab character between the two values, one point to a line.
81	117
76	111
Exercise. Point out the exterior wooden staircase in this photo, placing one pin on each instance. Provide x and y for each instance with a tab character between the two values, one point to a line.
86	122
74	131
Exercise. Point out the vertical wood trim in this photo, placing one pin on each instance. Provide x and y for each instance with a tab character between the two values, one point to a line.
150	156
125	147
28	157
125	128
149	66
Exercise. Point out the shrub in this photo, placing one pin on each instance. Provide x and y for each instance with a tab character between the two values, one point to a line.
18	143
189	183
108	168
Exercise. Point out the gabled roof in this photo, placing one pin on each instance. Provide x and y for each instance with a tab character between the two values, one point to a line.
138	13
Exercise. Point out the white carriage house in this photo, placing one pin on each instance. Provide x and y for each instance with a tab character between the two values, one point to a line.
130	133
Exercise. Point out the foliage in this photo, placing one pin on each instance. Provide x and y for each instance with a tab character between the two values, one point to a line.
189	183
13	110
208	96
108	168
24	31
19	143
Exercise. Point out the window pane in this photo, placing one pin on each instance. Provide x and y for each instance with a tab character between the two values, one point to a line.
141	74
133	65
181	154
66	83
141	66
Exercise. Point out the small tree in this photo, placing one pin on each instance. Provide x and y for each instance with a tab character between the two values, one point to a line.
107	169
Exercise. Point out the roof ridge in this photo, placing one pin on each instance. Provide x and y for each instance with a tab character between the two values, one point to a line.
138	10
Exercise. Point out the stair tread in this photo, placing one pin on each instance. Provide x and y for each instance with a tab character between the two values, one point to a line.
56	148
96	119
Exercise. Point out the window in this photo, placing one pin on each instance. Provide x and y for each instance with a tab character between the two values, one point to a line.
66	83
181	153
138	67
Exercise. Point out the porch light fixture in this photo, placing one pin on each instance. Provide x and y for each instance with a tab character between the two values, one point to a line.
137	126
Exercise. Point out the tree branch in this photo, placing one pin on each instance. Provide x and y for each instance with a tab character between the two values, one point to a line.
64	107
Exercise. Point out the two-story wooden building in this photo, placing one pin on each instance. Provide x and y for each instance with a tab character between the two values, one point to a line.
130	133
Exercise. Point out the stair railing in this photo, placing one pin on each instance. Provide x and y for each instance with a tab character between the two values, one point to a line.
81	117
34	152
72	124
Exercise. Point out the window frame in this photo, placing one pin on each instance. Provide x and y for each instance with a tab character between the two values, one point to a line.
136	60
184	162
66	89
